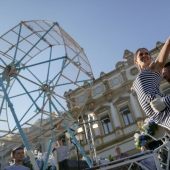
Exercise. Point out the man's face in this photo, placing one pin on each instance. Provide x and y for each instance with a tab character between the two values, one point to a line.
166	74
143	149
59	142
118	150
19	155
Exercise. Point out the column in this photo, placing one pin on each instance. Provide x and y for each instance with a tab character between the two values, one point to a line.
115	116
135	107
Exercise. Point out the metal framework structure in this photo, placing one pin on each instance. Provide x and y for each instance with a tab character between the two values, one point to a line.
137	161
39	63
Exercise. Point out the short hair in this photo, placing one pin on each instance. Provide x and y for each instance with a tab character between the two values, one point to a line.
167	64
116	147
14	151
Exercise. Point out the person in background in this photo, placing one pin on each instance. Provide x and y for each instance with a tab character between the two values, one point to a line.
18	156
120	155
147	162
62	155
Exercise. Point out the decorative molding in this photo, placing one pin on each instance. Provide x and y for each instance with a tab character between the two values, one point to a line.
109	95
134	71
102	109
121	100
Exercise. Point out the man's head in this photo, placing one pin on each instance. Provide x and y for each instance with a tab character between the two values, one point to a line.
60	142
143	148
117	150
18	154
166	72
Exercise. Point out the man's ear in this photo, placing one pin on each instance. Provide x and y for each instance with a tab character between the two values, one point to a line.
12	157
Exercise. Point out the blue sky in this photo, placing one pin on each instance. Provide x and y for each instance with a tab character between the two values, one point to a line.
103	28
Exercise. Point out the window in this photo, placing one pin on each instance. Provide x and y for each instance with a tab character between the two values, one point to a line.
126	115
107	127
166	90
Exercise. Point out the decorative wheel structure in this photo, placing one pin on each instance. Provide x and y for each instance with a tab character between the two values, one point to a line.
39	62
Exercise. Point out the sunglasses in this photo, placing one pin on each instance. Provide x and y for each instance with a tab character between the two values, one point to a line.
142	54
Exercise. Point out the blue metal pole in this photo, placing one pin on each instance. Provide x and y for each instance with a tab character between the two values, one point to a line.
3	102
34	76
10	105
17	43
73	137
28	109
71	117
34	45
41	118
3	61
51	120
49	65
40	63
48	153
26	91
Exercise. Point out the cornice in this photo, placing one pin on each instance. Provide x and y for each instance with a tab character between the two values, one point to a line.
121	100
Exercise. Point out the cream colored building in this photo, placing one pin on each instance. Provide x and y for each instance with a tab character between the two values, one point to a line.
116	108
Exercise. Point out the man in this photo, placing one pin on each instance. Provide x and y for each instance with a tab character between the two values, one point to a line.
62	155
18	156
120	155
158	104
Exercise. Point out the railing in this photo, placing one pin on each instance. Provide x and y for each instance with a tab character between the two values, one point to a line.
137	161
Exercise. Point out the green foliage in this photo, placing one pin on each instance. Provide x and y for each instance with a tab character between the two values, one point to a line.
110	158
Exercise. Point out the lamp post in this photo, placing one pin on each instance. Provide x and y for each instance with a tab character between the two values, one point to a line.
79	137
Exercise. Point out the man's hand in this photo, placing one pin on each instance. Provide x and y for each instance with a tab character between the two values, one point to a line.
157	104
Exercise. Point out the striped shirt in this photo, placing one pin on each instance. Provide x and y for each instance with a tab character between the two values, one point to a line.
146	86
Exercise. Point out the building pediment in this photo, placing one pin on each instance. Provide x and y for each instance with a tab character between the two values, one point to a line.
102	109
121	100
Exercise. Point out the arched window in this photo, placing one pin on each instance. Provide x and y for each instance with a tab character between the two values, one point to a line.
126	115
107	127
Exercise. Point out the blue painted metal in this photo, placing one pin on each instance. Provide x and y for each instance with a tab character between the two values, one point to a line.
35	45
17	44
48	153
10	105
73	137
34	76
3	102
26	91
3	61
41	118
71	83
71	117
63	63
49	65
51	120
28	110
41	63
